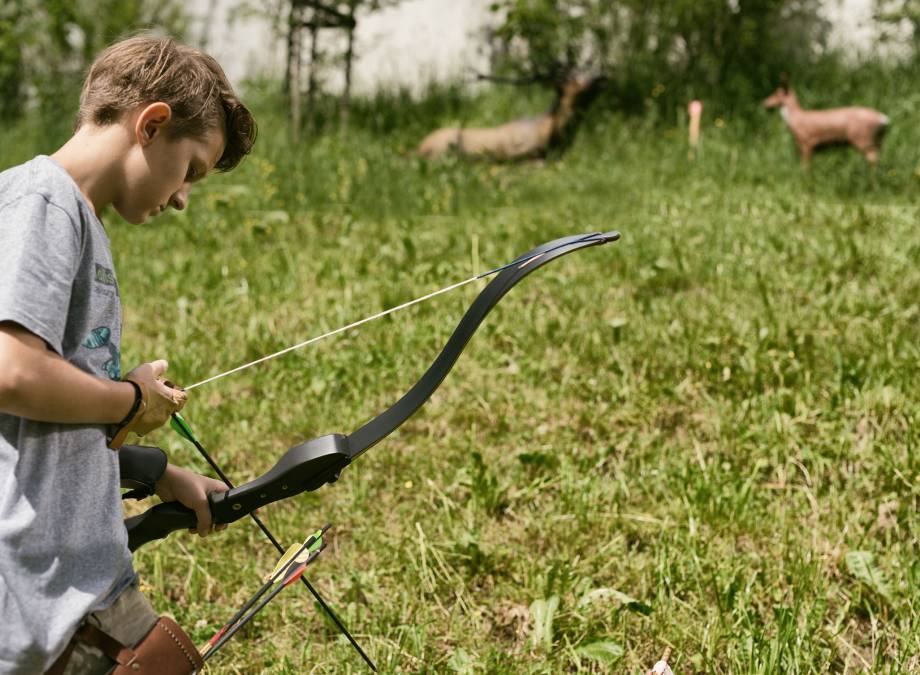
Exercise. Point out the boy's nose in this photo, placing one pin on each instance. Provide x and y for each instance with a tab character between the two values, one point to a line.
179	200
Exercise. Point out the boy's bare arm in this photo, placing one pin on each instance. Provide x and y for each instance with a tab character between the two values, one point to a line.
37	384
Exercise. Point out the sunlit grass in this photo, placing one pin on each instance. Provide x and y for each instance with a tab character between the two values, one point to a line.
703	436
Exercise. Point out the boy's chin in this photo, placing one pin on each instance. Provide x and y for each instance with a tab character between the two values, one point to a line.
134	217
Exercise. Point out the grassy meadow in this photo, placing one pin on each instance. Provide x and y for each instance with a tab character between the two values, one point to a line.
702	437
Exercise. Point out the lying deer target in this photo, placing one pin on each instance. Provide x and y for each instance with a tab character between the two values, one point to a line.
519	139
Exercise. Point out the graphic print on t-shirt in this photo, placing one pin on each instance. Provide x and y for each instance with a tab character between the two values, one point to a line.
105	276
98	338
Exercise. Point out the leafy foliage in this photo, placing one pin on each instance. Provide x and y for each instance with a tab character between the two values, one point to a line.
543	613
897	15
605	651
861	564
45	45
689	48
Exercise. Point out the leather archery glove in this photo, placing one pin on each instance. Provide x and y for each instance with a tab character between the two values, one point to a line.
155	400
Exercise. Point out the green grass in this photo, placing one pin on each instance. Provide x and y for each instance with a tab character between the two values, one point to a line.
703	436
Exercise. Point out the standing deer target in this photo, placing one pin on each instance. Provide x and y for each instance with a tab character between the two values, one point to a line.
858	126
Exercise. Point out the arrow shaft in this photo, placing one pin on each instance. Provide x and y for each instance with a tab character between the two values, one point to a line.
268	584
262	526
233	631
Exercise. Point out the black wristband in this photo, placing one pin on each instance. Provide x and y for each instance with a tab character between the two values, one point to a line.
138	399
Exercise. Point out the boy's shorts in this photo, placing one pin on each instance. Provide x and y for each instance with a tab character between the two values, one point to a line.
128	620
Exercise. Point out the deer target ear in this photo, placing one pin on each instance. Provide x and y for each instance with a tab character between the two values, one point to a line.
784	81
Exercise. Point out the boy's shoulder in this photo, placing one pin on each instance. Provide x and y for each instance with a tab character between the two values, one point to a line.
41	177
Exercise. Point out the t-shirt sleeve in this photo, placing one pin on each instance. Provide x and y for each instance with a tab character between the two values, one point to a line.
39	256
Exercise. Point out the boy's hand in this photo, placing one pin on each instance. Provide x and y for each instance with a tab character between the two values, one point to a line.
162	398
191	490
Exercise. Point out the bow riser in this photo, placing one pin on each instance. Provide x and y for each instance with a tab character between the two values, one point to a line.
304	468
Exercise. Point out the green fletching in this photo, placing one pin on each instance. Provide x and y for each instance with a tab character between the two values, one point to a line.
308	548
181	427
318	543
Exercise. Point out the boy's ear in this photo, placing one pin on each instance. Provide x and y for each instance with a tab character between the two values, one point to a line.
151	121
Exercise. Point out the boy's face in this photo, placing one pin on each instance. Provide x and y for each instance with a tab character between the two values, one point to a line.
160	170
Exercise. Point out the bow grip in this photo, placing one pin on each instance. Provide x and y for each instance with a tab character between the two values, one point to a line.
157	522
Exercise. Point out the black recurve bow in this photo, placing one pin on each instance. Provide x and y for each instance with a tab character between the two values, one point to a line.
311	464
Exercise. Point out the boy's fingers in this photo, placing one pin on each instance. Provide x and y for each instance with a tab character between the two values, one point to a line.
180	398
159	367
204	519
177	396
173	385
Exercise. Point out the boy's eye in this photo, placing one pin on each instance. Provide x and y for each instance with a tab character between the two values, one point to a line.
191	173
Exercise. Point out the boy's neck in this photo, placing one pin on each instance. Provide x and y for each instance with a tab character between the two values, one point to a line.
92	157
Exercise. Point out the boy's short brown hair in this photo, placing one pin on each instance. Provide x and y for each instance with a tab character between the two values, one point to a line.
146	69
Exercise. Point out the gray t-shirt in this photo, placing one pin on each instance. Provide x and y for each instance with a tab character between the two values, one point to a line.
63	547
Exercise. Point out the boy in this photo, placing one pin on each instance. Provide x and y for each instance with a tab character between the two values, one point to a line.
155	117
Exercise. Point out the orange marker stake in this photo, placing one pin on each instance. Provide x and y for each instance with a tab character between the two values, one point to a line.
695	110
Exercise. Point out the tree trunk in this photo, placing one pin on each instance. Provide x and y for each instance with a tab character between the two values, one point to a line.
294	83
346	95
288	66
311	85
